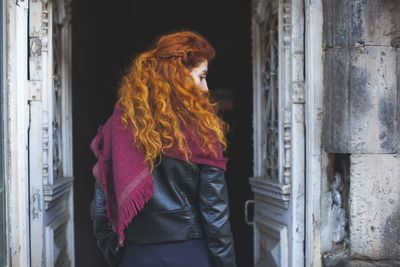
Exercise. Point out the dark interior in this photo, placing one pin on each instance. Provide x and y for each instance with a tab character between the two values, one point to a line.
106	37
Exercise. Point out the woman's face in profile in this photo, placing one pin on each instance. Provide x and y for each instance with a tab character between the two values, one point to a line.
199	75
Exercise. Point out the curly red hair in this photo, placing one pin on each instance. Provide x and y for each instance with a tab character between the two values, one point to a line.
158	93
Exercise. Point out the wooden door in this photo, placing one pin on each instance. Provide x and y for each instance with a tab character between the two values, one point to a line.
279	142
50	134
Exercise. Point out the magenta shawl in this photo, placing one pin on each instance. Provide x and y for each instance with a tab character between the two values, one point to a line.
123	175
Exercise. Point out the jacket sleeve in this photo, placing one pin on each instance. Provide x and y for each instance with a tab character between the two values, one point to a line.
214	209
107	239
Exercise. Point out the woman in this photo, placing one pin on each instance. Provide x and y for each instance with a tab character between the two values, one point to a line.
160	192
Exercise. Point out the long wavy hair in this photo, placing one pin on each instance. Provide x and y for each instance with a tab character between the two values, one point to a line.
158	95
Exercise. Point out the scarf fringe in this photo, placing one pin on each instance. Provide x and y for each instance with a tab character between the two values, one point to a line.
131	207
100	171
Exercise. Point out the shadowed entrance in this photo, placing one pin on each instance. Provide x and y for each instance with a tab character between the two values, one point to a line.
106	37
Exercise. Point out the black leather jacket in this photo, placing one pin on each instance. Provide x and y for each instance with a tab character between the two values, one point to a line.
189	202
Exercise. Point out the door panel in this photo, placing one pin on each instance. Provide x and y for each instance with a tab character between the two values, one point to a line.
278	121
50	134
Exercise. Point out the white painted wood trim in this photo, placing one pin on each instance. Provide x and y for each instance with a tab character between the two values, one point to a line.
36	135
16	149
279	232
67	118
314	116
3	113
257	135
276	194
297	201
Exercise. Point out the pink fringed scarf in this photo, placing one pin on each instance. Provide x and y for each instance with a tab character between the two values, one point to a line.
123	174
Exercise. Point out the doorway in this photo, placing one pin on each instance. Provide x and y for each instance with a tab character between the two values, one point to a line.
106	37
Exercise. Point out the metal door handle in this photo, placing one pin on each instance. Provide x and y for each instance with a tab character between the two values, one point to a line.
246	204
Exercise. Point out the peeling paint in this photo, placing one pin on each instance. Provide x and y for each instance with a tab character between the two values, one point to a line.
36	205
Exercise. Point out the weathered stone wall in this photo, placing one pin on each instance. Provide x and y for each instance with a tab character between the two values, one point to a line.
362	66
375	206
362	120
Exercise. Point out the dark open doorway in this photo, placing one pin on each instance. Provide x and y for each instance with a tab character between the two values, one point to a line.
106	36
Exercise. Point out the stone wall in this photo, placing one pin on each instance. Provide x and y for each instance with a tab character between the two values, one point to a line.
362	121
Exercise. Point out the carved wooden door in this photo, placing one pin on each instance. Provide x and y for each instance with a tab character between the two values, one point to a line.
278	121
50	134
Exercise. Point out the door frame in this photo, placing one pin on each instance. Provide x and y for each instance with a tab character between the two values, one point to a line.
315	157
16	131
3	215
